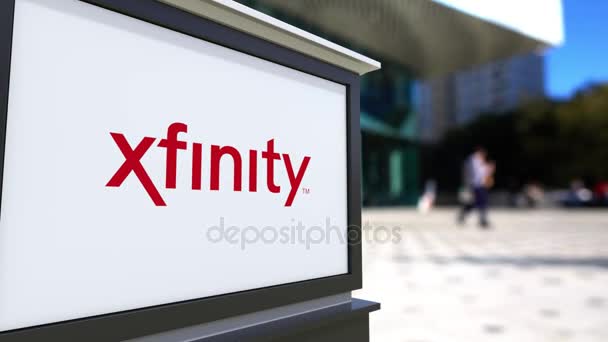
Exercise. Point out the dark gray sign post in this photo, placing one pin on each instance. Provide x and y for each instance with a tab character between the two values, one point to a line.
314	306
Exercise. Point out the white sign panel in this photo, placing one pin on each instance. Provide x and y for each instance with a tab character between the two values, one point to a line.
145	167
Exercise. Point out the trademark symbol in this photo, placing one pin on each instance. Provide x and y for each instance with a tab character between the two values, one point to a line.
306	190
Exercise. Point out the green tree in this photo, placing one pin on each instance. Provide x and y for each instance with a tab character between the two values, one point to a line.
551	142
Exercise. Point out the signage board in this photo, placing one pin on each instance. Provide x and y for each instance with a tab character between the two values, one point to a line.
145	166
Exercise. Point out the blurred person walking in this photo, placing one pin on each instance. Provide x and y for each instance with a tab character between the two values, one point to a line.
427	200
478	177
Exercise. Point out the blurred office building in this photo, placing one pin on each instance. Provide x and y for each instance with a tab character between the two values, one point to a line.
420	40
495	87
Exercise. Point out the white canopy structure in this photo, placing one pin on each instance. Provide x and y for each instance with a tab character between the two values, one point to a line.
434	37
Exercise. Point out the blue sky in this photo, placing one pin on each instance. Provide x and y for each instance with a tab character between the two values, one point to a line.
584	56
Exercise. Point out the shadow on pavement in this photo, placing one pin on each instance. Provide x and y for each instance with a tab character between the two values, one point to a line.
522	261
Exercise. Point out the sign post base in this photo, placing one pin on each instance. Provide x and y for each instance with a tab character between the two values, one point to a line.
343	322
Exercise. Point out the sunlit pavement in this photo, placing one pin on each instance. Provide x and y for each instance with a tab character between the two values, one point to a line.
535	276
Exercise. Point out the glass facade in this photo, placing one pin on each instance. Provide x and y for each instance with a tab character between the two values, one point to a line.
388	123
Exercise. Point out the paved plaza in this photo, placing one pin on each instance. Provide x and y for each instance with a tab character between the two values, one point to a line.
536	276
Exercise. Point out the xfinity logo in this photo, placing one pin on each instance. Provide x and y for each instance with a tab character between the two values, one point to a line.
171	144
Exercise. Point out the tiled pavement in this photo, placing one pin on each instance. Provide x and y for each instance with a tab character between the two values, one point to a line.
536	276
